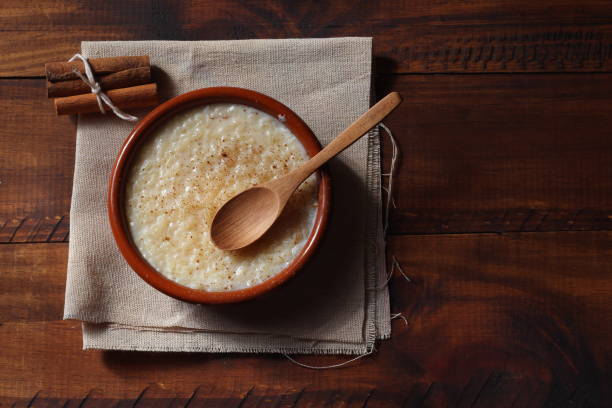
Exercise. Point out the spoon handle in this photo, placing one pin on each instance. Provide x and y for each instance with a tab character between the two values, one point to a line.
285	186
354	132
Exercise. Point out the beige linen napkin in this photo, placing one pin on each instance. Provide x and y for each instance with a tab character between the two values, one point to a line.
335	305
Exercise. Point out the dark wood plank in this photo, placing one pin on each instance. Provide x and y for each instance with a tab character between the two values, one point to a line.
386	399
33	282
534	154
480	300
500	153
416	36
36	164
493	320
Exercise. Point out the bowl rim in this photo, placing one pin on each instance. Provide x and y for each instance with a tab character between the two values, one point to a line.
140	133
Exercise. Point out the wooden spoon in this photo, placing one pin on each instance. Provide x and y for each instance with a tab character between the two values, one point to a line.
248	215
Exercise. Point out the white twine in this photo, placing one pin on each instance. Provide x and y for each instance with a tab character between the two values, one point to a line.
395	265
399	316
389	277
329	366
101	97
391	175
399	268
387	191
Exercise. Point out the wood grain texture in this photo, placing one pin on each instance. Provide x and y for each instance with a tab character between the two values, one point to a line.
410	36
33	282
494	320
34	229
36	157
537	285
533	155
499	153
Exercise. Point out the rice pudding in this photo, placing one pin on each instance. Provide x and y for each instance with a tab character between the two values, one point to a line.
187	168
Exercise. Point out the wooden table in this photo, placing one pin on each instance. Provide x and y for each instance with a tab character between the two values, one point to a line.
503	218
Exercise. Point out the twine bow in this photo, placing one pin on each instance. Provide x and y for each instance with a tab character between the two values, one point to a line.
101	97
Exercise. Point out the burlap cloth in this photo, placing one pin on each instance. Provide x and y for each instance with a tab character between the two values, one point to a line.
335	305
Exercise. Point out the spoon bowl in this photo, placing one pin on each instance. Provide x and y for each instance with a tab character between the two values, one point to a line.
245	218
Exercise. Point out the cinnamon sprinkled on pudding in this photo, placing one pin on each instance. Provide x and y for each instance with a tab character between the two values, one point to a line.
188	168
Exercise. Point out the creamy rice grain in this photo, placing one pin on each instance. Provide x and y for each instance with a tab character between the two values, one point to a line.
188	168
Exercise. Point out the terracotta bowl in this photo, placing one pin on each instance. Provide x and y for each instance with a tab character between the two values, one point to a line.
142	131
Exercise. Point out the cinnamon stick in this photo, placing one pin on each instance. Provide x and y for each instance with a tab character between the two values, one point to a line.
124	98
62	71
122	79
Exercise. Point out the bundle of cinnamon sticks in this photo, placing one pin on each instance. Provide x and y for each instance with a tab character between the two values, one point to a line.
126	80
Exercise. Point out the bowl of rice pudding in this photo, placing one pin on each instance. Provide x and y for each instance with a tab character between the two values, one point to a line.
186	158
